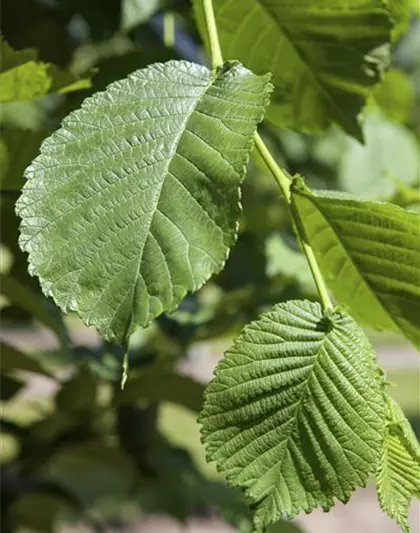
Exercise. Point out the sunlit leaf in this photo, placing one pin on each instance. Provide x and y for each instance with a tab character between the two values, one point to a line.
323	69
295	413
23	76
398	476
135	200
369	253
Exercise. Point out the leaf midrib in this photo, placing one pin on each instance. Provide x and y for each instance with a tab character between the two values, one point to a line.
213	78
305	387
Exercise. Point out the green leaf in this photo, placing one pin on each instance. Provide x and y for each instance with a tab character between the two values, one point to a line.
23	76
135	12
135	200
401	12
323	68
284	527
282	259
369	253
91	471
18	148
39	511
390	151
398	475
40	308
395	96
159	385
295	412
13	359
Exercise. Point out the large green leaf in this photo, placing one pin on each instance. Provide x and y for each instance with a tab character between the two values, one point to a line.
398	475
23	76
295	412
317	50
369	253
135	200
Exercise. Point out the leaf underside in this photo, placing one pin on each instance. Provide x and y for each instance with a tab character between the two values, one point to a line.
135	200
322	70
398	476
369	253
295	412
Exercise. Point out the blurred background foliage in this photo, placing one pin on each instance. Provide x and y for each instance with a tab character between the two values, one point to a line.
74	447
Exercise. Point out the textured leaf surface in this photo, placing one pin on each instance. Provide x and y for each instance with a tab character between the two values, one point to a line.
321	67
369	253
398	476
23	76
295	413
135	200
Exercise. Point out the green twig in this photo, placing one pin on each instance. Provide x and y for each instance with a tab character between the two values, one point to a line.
279	175
282	180
215	50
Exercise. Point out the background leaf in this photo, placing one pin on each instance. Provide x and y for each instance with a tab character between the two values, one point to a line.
13	359
91	471
23	76
295	414
134	201
9	386
18	148
395	96
79	393
398	476
322	71
160	385
42	309
39	511
369	253
390	153
134	12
